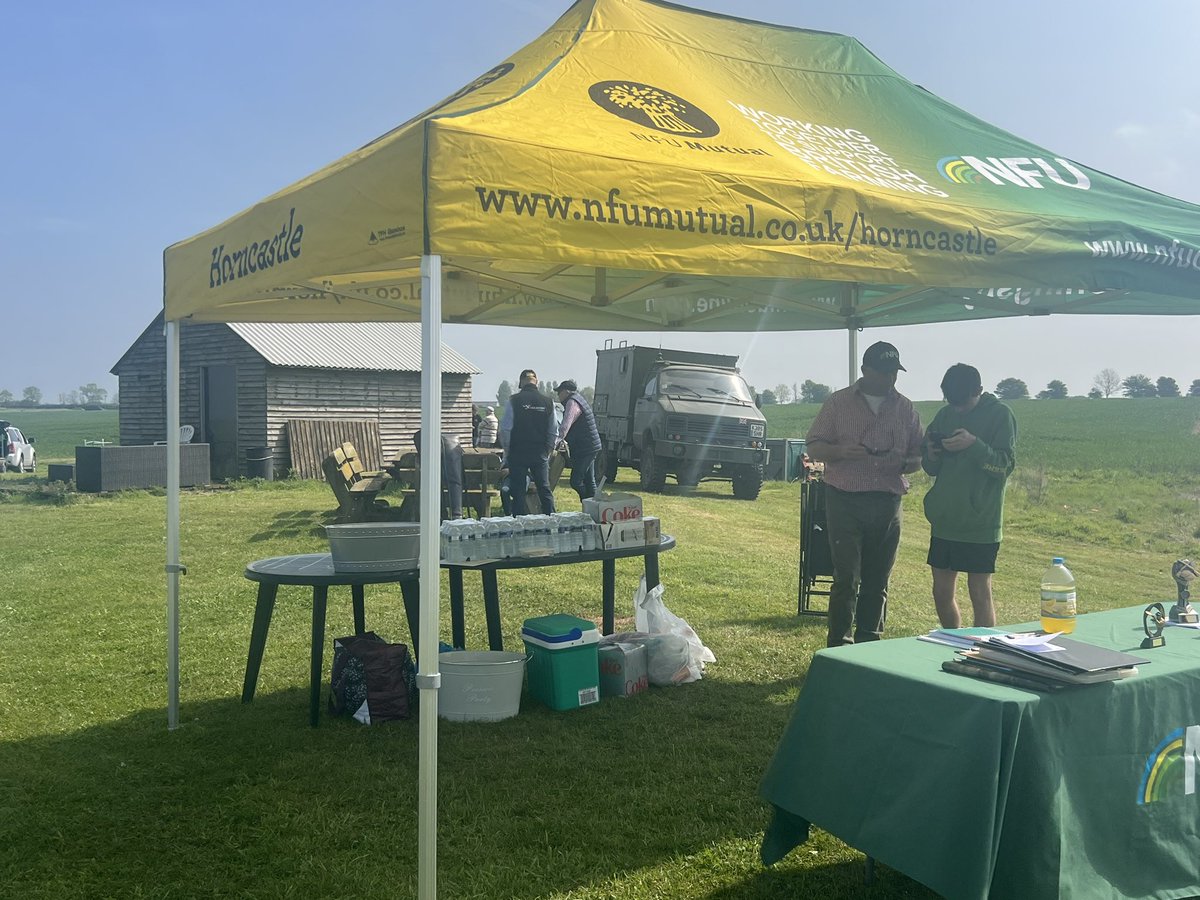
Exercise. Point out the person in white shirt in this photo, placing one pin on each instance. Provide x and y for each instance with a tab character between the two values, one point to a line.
489	428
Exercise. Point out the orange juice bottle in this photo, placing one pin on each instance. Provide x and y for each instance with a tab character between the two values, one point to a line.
1058	598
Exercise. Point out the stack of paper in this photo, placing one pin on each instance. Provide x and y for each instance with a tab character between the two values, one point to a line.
1042	661
959	638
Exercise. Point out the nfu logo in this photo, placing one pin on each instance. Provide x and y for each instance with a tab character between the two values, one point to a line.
1171	769
1022	171
653	107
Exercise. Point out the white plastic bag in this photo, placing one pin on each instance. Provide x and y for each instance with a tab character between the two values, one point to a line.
651	615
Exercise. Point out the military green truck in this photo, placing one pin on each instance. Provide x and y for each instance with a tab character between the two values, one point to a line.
681	413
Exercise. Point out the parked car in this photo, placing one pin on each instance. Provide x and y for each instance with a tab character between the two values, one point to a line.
16	452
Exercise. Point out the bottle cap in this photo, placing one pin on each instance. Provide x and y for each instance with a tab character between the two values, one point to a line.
1057	561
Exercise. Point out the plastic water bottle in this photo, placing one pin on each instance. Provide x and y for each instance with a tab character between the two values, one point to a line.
1058	598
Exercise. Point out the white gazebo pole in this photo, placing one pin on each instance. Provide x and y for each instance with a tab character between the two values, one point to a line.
853	346
174	569
429	678
852	326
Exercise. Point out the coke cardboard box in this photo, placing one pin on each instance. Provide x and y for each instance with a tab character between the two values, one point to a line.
623	670
653	530
614	507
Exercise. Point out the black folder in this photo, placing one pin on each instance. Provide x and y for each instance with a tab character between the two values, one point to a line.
1075	656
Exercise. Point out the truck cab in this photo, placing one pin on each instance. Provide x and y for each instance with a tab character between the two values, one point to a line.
682	414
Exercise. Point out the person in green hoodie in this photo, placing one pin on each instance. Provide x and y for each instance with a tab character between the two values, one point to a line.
969	450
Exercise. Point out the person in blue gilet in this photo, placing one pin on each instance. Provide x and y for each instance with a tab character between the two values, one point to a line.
528	432
579	433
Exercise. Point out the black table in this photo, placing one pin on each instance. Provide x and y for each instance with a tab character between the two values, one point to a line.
491	590
316	570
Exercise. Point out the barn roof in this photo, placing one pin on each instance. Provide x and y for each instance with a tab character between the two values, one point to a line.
379	346
369	346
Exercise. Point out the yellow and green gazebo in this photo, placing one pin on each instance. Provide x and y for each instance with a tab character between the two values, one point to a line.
645	166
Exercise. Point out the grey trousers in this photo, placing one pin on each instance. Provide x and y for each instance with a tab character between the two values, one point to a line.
864	533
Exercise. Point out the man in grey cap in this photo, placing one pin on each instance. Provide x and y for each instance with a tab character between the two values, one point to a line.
869	437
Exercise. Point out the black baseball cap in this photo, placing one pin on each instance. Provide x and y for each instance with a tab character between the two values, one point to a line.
883	357
568	385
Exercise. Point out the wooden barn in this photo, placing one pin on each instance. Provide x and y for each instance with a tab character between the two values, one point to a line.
241	384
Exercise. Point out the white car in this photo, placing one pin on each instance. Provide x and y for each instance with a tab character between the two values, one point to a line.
15	451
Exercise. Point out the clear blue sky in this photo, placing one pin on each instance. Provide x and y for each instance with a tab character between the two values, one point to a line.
129	126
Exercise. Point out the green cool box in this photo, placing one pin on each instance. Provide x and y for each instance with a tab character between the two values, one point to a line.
564	668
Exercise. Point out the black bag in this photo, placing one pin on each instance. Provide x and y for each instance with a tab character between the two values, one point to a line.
372	680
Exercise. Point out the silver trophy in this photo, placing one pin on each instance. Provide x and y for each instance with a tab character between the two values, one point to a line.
1182	612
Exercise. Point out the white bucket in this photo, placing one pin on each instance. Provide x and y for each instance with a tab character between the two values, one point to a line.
480	685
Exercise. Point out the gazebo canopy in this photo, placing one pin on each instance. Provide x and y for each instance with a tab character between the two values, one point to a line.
645	166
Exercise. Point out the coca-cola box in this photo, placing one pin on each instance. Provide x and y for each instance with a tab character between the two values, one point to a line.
614	507
623	671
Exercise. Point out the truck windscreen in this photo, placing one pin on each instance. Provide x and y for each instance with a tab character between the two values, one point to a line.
704	384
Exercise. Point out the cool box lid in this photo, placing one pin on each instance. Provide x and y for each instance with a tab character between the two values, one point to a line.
560	630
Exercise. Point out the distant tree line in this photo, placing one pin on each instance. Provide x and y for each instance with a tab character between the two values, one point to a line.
1105	384
549	388
90	394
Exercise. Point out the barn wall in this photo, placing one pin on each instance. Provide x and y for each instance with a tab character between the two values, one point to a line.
391	398
141	377
270	395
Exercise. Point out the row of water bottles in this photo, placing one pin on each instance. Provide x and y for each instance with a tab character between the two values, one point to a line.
501	537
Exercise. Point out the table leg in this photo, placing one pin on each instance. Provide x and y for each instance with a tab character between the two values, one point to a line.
258	637
652	579
320	599
411	591
491	608
458	626
360	613
609	581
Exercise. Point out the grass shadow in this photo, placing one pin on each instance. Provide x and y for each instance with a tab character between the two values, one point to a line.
296	523
833	881
250	795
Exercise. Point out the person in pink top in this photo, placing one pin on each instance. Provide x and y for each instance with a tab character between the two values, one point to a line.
869	437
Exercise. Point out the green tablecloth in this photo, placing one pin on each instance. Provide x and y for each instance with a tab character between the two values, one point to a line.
978	789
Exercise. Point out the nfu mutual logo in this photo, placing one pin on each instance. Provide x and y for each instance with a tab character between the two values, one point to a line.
1170	769
653	107
1020	171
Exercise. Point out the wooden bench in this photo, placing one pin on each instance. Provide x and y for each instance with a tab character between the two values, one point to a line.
480	479
355	488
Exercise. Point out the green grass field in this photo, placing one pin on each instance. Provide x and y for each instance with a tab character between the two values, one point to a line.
57	432
651	797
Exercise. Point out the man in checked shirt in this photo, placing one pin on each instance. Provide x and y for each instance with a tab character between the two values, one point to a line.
869	436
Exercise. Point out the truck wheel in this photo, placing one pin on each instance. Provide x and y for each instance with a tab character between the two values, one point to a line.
747	482
653	476
606	464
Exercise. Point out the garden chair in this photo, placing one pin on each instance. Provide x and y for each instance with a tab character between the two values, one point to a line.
355	488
